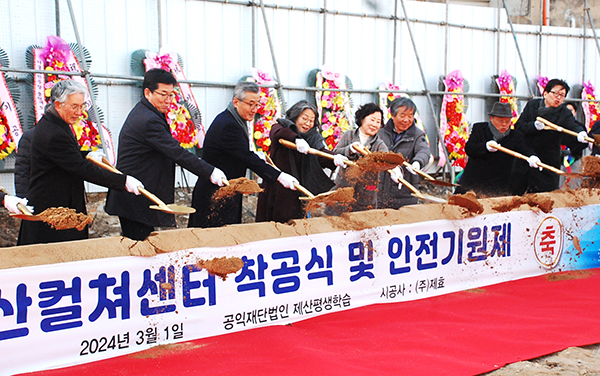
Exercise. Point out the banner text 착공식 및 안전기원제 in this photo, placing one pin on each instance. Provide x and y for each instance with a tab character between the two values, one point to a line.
97	309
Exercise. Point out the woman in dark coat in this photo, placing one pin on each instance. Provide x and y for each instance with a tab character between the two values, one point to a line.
488	171
277	203
59	168
544	143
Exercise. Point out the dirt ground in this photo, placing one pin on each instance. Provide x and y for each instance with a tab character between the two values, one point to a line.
574	361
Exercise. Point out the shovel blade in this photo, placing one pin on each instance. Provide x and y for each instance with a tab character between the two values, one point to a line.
429	198
26	217
174	209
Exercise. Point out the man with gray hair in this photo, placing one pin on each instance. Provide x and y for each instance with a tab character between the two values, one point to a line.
59	167
227	146
401	135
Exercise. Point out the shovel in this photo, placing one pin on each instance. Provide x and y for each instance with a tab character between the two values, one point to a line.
415	191
558	128
515	154
306	192
423	174
291	145
25	213
160	205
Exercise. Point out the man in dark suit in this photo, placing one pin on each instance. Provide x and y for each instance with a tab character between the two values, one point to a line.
227	146
148	150
59	168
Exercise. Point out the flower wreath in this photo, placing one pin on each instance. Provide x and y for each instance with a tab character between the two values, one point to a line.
453	124
386	98
590	109
183	115
57	55
333	106
541	83
507	85
268	112
10	126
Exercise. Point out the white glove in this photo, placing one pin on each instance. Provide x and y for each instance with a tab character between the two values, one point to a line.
339	159
355	150
132	185
581	137
218	176
10	203
287	181
261	155
489	147
302	146
414	166
539	125
395	174
96	155
533	162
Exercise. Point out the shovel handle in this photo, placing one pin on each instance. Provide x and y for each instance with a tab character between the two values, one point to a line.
24	209
291	145
306	192
521	156
107	166
558	128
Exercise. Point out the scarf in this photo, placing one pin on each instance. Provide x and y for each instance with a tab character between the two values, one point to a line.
242	123
496	133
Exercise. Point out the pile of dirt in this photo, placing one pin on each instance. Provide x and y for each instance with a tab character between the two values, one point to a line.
467	201
239	185
534	200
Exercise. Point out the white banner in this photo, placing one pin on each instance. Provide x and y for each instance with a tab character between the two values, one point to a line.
71	313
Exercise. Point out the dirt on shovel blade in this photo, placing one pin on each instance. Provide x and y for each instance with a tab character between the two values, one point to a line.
590	168
339	196
65	218
468	201
380	161
239	185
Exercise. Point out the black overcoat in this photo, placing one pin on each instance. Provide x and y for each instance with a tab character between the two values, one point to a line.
489	173
545	144
148	151
227	147
58	170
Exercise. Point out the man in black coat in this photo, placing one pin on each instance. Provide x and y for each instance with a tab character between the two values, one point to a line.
59	168
227	146
544	143
488	171
148	150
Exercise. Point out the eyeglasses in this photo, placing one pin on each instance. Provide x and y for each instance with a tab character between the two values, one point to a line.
169	96
253	106
77	107
307	119
558	95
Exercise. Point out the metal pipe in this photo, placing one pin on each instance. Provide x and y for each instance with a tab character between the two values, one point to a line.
57	16
518	49
87	77
446	39
583	51
262	8
159	16
539	49
394	40
587	11
324	11
429	100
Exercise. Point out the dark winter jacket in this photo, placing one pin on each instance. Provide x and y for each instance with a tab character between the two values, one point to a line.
277	203
227	147
546	144
413	147
489	173
22	163
148	151
58	170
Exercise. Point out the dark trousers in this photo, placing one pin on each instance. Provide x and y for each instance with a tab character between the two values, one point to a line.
135	230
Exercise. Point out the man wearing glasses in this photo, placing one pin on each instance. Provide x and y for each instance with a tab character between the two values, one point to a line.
546	144
147	149
227	146
59	168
